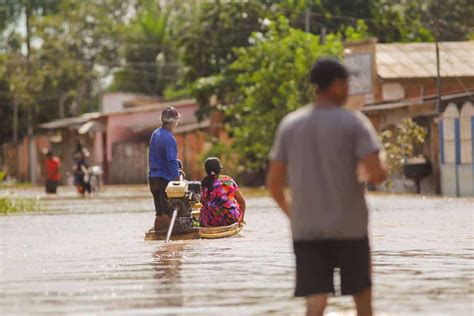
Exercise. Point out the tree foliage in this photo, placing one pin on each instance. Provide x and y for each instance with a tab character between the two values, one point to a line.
207	40
11	11
388	20
187	47
150	60
400	143
73	47
271	79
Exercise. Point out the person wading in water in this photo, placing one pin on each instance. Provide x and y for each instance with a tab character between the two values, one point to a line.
320	147
51	166
164	165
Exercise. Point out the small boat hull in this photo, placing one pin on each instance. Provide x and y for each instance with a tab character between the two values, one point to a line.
198	233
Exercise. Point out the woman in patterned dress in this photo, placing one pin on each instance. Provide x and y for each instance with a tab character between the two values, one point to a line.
222	202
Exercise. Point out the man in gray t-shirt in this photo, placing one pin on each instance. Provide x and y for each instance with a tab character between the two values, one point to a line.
320	149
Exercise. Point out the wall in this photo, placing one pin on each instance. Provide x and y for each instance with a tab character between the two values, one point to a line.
16	159
127	125
130	128
130	164
360	61
113	101
191	150
422	87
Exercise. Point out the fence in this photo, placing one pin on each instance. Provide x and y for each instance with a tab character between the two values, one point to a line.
457	150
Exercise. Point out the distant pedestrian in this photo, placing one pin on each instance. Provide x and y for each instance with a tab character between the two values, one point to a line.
82	172
320	148
164	165
51	166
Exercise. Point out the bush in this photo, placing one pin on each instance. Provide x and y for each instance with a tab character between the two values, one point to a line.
400	143
8	205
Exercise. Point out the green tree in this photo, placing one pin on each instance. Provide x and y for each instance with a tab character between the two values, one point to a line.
388	20
89	33
6	108
271	79
207	39
75	46
449	20
11	11
150	61
332	15
399	21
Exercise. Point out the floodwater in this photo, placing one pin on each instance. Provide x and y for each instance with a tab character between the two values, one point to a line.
88	256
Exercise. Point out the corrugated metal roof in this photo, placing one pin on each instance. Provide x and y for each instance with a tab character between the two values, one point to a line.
418	60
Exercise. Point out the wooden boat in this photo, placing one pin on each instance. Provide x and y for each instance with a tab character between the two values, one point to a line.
198	233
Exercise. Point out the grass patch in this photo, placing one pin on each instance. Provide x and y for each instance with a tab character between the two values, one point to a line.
15	205
16	185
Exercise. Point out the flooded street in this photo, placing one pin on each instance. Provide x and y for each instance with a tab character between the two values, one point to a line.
89	256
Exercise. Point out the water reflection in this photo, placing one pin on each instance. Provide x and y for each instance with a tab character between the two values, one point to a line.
167	263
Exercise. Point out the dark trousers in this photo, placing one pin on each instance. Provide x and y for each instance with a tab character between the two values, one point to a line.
51	186
158	188
316	261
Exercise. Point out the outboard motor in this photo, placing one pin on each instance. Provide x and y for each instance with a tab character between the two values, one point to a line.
183	197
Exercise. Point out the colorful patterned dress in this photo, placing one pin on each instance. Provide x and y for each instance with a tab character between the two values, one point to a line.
219	208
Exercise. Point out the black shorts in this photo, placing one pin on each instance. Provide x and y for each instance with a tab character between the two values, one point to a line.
51	186
158	189
316	261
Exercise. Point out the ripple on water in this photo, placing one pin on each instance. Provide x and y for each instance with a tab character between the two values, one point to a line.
89	256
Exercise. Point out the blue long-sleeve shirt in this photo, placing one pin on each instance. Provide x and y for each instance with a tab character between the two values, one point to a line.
163	155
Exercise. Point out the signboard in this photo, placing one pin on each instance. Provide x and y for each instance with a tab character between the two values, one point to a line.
360	73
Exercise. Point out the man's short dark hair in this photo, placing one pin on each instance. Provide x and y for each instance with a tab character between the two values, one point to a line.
325	70
170	115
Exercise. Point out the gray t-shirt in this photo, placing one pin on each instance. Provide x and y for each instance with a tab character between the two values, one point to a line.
321	148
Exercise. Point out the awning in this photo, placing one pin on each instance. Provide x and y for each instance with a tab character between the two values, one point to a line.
70	122
415	102
90	126
55	138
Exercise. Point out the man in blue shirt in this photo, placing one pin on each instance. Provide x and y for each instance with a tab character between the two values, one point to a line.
164	166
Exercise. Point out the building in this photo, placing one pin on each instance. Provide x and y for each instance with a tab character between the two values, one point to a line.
390	82
118	137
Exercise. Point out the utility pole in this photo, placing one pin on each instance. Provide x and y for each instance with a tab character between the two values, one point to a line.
62	100
31	142
307	20
323	35
437	171
438	74
436	20
15	121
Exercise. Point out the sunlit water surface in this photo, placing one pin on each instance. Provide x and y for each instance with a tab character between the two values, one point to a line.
89	256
